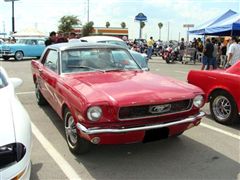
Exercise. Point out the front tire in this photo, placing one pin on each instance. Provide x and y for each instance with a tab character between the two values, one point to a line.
6	58
223	108
40	98
19	56
76	144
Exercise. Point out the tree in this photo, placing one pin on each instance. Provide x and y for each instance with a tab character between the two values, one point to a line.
160	25
66	23
87	29
123	25
107	24
142	25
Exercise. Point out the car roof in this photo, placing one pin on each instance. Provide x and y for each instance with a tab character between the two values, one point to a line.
100	38
75	45
18	38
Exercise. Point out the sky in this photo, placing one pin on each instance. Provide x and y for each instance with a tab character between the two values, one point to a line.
45	14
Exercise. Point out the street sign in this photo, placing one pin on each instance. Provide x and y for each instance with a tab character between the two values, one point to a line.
140	17
188	25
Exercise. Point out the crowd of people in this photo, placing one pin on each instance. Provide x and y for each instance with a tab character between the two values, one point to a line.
213	53
60	38
218	53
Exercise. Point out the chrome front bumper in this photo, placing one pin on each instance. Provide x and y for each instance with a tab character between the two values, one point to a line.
97	130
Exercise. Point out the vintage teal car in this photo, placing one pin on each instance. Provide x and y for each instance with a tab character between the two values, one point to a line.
24	47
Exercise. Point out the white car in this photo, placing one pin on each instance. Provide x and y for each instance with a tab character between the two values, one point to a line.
15	132
141	59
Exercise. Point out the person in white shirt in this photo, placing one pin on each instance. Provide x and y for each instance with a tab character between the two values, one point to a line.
233	52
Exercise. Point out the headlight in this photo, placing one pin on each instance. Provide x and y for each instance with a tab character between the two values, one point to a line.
198	101
11	153
94	113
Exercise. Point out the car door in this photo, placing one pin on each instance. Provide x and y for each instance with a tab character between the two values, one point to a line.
49	75
34	47
39	47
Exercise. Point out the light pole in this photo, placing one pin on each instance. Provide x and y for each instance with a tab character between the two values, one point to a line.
13	21
88	11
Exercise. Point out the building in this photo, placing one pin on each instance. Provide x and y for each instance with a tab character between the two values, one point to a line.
111	31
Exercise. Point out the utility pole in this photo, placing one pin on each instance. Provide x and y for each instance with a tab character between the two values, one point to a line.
13	21
168	31
88	11
4	30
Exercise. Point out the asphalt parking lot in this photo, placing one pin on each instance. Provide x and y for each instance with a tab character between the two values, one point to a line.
209	151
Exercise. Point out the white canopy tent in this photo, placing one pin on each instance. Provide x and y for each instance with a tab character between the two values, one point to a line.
29	32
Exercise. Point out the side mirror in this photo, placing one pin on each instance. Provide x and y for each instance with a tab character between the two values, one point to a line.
16	82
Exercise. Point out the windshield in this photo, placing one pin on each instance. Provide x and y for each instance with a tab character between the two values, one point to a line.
82	60
3	81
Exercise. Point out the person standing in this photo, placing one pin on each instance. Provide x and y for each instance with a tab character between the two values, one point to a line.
73	37
61	37
215	54
182	48
150	43
52	38
223	56
233	52
208	55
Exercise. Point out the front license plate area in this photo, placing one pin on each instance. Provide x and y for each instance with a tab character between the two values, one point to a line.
156	134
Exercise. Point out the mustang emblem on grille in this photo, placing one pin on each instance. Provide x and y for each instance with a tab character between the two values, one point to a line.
160	108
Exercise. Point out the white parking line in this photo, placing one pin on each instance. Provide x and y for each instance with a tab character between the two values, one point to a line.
28	92
61	162
220	131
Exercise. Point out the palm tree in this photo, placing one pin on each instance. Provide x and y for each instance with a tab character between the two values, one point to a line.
123	25
107	24
142	25
160	25
88	29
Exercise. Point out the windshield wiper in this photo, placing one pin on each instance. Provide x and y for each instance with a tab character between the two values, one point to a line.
119	69
85	67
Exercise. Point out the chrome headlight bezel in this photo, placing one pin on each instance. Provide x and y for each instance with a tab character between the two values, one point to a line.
94	113
198	101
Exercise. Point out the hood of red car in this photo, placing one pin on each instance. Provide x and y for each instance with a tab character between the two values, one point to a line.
131	87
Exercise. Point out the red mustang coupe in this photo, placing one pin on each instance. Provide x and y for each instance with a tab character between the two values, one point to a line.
104	97
222	89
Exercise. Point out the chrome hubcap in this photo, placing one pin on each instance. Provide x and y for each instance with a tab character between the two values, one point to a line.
71	131
19	55
222	107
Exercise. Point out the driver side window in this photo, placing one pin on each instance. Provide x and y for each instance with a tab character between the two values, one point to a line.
51	60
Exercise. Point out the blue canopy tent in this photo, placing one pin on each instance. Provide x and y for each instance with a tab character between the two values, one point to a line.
201	30
228	27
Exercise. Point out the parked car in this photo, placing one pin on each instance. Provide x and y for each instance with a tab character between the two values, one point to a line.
15	132
104	97
140	58
222	91
24	47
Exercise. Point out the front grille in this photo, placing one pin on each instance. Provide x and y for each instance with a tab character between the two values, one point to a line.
135	112
5	51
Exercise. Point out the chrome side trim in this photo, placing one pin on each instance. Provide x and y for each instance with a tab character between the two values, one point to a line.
97	130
